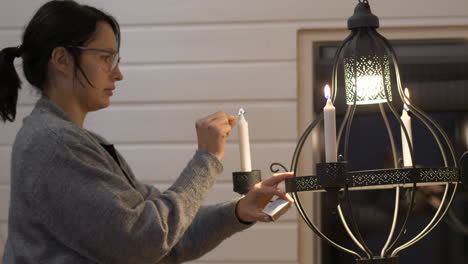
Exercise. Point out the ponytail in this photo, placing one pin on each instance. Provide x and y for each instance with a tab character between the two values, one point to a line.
10	83
48	28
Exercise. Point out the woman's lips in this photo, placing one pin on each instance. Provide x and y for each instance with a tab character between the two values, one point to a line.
109	91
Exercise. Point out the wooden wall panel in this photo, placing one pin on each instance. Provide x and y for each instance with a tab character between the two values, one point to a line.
176	123
148	12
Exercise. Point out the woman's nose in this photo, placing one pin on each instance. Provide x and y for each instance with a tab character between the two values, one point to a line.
118	76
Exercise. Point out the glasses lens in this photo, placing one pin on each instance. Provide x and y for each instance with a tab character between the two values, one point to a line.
115	61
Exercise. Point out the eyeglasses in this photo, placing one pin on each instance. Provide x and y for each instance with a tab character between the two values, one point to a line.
112	61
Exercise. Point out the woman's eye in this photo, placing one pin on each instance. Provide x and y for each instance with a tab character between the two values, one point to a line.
106	58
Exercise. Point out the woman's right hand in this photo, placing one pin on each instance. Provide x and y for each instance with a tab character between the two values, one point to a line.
250	207
212	132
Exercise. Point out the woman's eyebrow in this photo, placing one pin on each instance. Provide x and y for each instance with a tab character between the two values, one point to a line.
110	49
113	50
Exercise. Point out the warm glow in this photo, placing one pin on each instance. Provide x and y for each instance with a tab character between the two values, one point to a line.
367	80
327	91
407	96
368	87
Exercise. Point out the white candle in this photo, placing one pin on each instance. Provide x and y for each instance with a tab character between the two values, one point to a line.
244	144
329	120
406	119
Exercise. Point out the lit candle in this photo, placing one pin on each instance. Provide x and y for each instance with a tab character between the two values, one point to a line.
244	144
406	119
329	127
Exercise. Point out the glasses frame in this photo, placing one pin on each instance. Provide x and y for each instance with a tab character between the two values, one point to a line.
115	60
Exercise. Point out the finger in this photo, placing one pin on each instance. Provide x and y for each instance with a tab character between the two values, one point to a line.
221	120
287	197
283	195
225	131
232	120
215	116
262	217
220	124
277	178
269	191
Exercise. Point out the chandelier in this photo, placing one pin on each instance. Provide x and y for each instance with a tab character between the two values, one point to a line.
365	69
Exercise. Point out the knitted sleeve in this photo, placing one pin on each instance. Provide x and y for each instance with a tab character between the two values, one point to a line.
212	225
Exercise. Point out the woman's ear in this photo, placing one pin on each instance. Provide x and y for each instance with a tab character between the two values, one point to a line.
61	60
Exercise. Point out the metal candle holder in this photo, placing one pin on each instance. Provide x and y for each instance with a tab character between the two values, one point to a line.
366	46
244	180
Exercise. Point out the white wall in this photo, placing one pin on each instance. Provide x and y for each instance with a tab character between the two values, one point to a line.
185	59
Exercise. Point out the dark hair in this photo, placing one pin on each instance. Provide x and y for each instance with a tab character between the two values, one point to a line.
55	24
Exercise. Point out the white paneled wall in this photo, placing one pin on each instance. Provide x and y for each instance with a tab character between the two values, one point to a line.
186	59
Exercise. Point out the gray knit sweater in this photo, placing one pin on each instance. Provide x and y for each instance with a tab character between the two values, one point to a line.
72	202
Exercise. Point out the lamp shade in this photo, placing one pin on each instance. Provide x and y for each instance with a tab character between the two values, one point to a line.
366	69
366	63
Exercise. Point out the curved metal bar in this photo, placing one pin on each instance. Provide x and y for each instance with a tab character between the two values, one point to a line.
335	64
416	112
353	108
334	83
428	228
348	129
413	192
350	233
405	221
375	38
297	200
413	107
433	223
390	135
347	121
394	221
342	126
302	139
397	189
463	156
277	164
441	131
421	115
354	223
305	217
422	233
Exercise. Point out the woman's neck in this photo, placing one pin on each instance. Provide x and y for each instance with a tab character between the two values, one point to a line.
71	107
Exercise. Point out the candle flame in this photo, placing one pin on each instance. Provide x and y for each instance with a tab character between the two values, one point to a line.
407	95
241	111
327	91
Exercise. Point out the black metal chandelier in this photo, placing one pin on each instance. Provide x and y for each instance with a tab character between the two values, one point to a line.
365	69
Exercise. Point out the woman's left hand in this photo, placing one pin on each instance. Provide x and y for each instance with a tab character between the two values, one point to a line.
250	207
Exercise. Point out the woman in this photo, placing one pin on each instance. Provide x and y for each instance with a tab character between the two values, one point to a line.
74	199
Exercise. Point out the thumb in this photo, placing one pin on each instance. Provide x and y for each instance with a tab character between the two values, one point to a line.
232	121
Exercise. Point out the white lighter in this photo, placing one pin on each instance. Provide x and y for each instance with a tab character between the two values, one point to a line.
277	208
